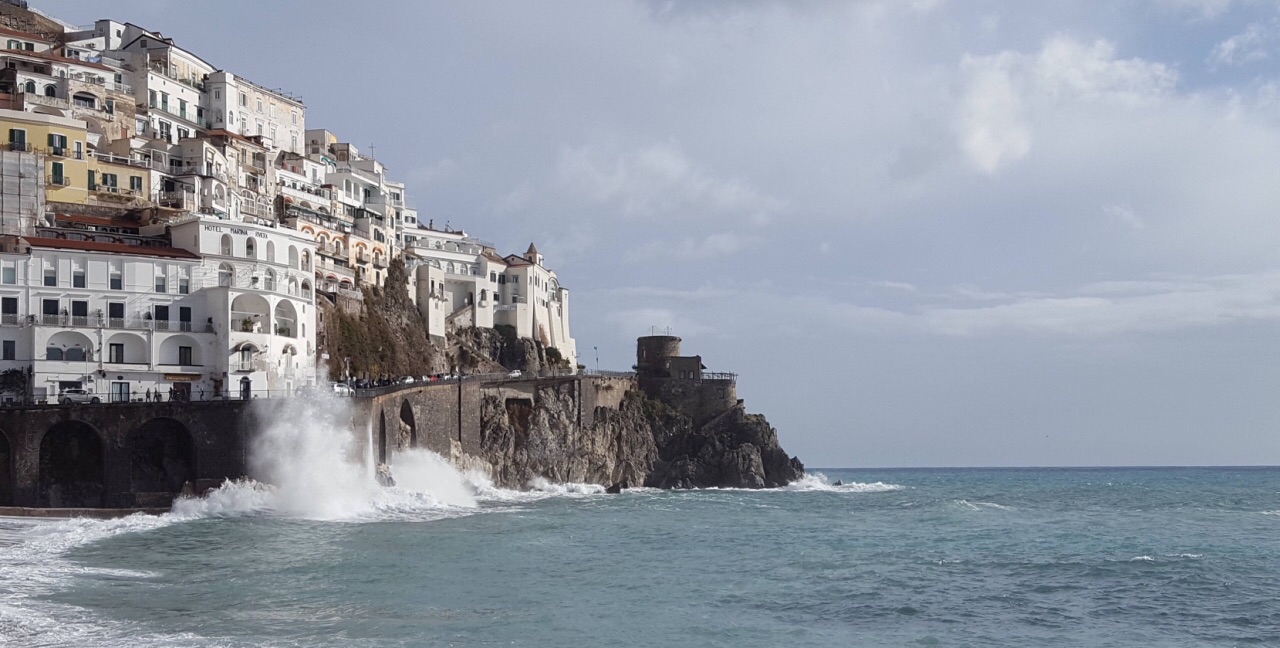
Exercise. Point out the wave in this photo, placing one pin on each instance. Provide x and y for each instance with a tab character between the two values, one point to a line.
978	506
819	482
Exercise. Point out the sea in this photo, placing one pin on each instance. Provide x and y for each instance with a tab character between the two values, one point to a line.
892	557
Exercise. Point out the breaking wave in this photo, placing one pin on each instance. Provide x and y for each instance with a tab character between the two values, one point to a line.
819	482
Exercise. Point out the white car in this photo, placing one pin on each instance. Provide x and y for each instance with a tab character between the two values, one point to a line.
343	389
70	396
515	373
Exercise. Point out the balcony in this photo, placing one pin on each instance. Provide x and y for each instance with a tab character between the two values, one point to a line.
115	159
58	181
184	200
116	192
363	257
10	319
256	163
20	146
380	261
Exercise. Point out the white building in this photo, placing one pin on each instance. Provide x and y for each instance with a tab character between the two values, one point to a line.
258	284
460	281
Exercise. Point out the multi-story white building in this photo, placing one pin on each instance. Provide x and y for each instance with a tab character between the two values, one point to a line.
461	281
215	309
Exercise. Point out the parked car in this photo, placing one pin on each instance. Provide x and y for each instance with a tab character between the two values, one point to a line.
515	373
407	380
343	389
69	396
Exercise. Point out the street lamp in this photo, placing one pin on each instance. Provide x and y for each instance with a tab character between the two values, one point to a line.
597	350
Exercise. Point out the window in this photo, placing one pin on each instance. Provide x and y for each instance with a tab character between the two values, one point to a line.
29	87
58	143
162	313
78	278
117	279
166	131
93	180
115	353
164	101
244	99
152	99
56	176
13	44
115	314
110	180
217	94
183	133
79	313
184	286
51	276
259	105
184	316
293	117
162	283
249	250
135	183
10	350
182	108
10	274
226	245
184	356
110	106
17	139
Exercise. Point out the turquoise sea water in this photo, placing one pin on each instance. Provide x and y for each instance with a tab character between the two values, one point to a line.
1036	557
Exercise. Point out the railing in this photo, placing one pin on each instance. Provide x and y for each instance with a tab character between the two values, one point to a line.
115	191
58	181
364	257
380	262
176	199
719	375
10	318
115	159
20	146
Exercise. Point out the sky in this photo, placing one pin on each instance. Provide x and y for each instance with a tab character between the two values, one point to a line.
923	232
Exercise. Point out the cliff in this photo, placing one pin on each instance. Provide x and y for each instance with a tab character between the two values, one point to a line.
640	442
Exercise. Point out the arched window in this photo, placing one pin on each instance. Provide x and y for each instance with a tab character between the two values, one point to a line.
271	252
306	288
227	249
226	274
293	286
50	91
271	280
293	257
306	260
249	250
29	87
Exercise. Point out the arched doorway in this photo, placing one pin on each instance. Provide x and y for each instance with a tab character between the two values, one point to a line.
6	471
382	438
246	389
71	466
162	457
407	428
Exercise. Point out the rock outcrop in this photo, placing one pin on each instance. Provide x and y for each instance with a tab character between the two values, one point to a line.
643	441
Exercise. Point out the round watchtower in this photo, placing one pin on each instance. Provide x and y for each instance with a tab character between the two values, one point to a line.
653	351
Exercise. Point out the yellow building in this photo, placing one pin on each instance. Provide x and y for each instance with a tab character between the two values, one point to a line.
73	173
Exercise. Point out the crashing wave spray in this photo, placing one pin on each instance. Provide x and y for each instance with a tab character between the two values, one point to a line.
318	469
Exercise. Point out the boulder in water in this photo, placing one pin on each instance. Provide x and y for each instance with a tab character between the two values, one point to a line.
616	488
383	476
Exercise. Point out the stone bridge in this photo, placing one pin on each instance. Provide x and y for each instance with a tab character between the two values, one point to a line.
124	455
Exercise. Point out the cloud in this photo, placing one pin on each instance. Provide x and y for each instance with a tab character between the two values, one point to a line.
644	321
1003	93
711	246
657	181
1124	215
1249	46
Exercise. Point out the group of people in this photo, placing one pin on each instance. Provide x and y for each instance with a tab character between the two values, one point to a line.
174	395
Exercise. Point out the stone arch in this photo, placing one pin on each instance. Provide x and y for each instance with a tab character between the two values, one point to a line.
285	319
71	346
382	437
170	354
162	457
6	470
71	466
135	348
408	429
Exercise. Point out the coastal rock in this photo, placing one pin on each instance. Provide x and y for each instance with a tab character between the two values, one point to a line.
642	441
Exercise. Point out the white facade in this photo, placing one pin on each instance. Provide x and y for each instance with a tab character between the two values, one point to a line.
245	108
114	319
259	285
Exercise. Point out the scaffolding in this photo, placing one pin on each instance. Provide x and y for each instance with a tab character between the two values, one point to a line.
21	191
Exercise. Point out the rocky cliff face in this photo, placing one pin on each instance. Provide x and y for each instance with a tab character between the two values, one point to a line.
642	442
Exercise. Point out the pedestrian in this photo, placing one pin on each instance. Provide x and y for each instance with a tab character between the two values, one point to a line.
171	392
200	393
148	394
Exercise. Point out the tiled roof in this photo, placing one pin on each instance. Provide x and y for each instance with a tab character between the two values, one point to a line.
112	248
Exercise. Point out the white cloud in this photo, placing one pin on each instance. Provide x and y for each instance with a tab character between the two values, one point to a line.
711	246
658	181
1004	93
1249	46
1124	215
